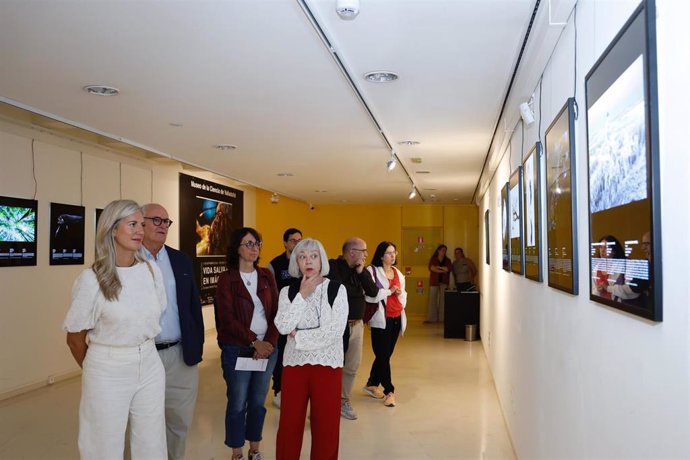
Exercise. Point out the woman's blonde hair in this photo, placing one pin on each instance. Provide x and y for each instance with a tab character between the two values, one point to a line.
105	265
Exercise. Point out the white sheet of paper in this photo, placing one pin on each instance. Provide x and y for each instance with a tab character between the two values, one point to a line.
251	364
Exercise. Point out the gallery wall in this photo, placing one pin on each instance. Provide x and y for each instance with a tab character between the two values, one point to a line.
35	299
578	379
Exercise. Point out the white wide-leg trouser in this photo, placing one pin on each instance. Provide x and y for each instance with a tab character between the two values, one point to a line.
121	384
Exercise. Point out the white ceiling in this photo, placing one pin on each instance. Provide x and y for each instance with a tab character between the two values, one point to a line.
256	74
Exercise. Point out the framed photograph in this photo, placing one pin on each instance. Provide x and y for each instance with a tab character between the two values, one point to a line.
515	207
623	167
487	239
561	221
531	179
66	234
18	231
505	243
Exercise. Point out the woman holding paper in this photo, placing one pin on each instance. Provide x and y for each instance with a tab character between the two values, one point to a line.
388	322
313	313
245	305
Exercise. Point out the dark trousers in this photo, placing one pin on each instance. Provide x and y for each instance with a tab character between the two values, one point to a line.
278	370
383	342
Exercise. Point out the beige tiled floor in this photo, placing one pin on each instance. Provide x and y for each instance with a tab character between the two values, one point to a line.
447	409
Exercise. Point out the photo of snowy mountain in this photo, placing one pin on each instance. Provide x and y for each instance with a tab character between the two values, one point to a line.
617	148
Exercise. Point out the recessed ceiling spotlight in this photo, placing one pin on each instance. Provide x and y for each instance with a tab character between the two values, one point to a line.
431	189
416	160
225	147
320	191
347	9
408	143
101	90
176	125
423	171
286	174
380	76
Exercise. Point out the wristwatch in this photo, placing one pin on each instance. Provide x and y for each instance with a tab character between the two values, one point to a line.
252	344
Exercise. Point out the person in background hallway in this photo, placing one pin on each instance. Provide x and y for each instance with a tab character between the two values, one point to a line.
245	306
464	271
180	343
348	269
280	268
388	322
439	268
117	304
313	313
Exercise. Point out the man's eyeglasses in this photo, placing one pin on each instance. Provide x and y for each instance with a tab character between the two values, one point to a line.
252	244
159	221
293	240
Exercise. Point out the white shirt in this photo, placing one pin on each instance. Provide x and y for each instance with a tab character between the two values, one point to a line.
259	325
128	321
170	319
322	342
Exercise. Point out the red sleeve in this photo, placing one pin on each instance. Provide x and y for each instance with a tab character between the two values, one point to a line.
272	310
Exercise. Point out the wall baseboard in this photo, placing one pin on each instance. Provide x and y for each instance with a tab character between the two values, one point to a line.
50	380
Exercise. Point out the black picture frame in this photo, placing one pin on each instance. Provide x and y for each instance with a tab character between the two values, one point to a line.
531	186
67	224
18	231
561	203
623	170
505	242
487	237
517	259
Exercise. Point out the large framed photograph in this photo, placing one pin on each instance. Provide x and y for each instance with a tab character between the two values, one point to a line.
515	217
561	221
531	179
505	236
66	234
487	240
623	166
18	231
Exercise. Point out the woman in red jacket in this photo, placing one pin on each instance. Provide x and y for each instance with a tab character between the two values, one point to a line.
246	304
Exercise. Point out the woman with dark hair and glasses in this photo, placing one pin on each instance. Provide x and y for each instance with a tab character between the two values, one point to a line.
245	306
312	312
388	322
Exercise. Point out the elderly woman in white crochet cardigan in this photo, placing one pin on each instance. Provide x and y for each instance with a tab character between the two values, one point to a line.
312	312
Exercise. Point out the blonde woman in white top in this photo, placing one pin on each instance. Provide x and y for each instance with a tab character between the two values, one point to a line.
312	312
388	322
117	304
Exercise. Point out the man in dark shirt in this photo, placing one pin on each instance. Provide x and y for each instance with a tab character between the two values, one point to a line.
279	266
349	270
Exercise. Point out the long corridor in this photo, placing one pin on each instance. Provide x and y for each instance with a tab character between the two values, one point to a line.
447	408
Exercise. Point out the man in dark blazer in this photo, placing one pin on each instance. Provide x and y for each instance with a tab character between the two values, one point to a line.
181	340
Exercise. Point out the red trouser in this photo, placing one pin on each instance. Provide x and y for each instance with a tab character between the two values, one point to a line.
318	386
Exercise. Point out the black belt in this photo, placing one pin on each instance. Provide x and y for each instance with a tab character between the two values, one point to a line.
164	346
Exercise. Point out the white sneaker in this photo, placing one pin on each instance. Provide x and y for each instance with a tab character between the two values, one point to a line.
373	391
276	400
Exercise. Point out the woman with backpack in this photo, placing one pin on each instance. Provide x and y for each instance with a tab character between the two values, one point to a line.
388	322
312	312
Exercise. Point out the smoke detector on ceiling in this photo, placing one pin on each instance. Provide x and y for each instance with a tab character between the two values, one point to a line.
347	9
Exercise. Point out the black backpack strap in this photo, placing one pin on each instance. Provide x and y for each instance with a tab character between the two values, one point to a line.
293	289
332	290
333	287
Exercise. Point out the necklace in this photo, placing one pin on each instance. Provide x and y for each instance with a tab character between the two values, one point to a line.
248	280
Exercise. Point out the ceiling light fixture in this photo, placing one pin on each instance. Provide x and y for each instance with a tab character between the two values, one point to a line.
392	163
101	90
413	193
526	111
285	174
408	143
380	76
275	198
225	147
347	9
